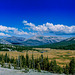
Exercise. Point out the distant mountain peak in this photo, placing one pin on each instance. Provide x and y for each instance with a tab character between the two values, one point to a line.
71	39
4	42
41	40
14	39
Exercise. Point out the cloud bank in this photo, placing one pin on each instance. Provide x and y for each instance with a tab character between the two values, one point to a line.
33	29
5	31
51	28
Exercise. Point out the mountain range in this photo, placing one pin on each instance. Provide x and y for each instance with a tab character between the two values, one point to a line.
41	40
33	41
14	40
2	41
68	43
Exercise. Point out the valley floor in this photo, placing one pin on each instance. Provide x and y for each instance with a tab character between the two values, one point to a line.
62	57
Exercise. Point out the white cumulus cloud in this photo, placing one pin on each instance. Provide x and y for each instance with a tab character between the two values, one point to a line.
5	28
51	28
3	34
29	24
14	31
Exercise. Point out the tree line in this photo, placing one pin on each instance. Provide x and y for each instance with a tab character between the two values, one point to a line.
6	47
40	63
57	46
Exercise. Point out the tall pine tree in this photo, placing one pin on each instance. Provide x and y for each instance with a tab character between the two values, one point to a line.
27	59
72	66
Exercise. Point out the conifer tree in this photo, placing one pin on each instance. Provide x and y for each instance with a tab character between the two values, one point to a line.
2	63
47	68
72	66
53	66
9	65
44	64
30	66
1	56
66	69
59	69
23	61
5	58
41	62
33	62
38	67
15	64
12	60
8	59
20	62
27	60
36	62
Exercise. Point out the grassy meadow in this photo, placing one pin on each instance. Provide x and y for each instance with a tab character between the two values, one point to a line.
62	57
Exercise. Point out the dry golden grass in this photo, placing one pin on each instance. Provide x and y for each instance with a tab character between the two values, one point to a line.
62	57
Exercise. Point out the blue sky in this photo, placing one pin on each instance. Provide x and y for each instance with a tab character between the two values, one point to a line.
28	18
